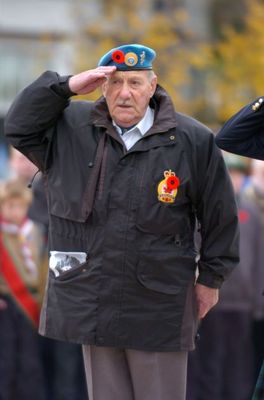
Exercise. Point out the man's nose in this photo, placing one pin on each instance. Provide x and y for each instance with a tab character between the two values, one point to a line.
125	91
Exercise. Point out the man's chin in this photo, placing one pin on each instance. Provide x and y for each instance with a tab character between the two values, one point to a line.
125	120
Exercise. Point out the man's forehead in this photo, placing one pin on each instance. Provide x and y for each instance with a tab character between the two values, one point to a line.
129	74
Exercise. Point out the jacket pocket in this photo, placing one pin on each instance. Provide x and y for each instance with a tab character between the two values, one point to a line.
165	272
66	265
165	219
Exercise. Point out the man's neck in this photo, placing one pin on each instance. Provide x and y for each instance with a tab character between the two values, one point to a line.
125	129
143	125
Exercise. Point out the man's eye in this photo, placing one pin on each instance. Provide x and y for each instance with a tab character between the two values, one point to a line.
114	82
135	84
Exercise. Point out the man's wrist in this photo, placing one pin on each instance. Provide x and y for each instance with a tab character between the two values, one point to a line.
62	88
210	279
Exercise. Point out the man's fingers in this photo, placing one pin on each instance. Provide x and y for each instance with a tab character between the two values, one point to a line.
106	70
202	311
206	298
92	86
88	81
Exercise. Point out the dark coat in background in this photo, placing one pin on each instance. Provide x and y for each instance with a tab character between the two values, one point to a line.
243	133
134	285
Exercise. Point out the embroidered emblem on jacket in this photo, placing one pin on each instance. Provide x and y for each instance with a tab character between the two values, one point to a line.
168	187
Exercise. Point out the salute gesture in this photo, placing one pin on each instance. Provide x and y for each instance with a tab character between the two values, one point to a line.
87	81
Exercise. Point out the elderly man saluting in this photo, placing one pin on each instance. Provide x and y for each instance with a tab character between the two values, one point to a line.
127	178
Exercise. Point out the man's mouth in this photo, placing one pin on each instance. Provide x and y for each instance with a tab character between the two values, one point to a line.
124	105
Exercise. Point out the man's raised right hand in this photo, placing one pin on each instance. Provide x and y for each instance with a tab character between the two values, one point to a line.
87	81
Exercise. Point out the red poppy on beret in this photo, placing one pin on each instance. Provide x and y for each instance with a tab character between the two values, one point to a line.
118	56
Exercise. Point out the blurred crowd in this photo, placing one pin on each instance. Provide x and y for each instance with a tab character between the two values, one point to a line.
229	348
31	367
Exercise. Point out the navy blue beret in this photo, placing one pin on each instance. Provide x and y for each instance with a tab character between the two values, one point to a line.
129	57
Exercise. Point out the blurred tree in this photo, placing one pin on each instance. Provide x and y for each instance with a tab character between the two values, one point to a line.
209	81
223	12
232	68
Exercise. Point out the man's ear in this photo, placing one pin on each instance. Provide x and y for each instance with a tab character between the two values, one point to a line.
103	88
154	82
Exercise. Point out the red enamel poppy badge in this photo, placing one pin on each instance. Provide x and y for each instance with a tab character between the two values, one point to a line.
118	56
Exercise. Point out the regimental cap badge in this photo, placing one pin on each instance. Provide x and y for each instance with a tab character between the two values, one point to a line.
129	57
168	187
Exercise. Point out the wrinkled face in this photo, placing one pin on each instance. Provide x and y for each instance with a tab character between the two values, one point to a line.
14	210
127	94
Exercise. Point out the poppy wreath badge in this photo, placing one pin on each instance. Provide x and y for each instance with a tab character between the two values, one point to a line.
168	187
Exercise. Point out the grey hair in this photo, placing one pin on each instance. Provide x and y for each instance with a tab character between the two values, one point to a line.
151	74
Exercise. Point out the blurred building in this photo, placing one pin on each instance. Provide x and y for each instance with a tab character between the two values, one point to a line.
35	35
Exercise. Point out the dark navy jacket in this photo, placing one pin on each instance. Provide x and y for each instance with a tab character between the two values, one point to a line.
135	289
243	133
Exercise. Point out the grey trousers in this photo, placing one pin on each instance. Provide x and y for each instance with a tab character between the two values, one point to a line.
123	374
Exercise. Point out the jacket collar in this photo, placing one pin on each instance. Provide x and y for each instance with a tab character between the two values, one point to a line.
165	118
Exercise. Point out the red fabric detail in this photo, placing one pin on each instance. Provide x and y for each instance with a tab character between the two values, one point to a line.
17	287
243	216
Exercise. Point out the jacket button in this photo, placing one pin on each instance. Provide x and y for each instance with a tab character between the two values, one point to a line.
90	165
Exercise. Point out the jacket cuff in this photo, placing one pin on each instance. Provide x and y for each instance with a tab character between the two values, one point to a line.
210	279
62	87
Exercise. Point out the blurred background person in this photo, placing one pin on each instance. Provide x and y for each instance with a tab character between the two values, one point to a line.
62	362
21	375
221	367
254	192
20	166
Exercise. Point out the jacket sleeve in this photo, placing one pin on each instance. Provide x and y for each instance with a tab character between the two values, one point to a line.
244	132
31	119
217	215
